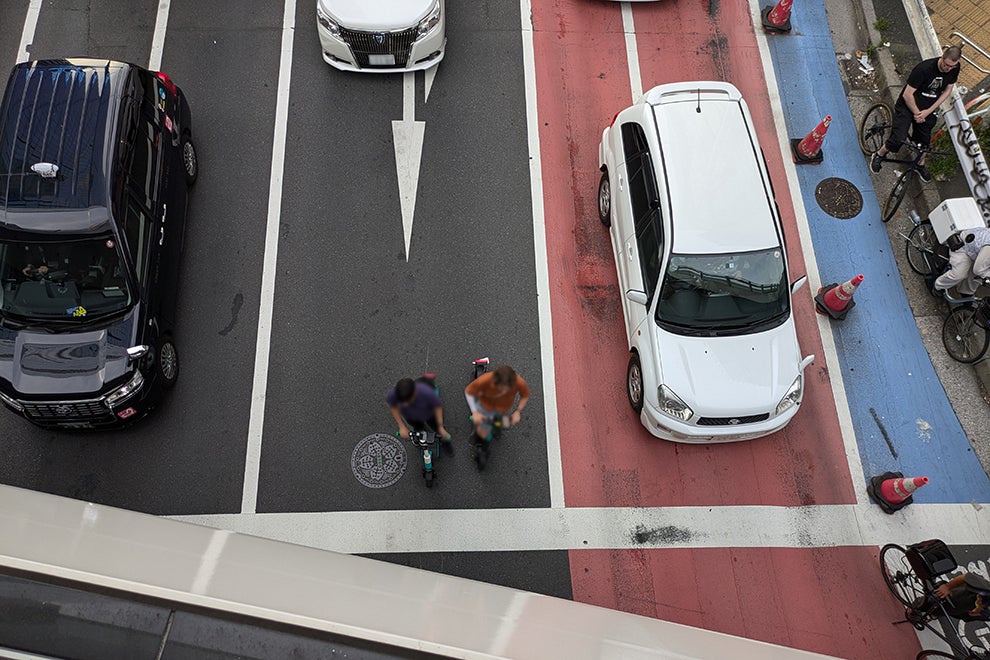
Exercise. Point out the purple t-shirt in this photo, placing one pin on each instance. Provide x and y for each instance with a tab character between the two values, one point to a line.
422	407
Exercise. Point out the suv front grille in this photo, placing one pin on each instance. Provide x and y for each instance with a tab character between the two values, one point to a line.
392	43
732	421
69	411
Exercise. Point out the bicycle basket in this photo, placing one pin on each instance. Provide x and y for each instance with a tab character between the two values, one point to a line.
929	559
982	315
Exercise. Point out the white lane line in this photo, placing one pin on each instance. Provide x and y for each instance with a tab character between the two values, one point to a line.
429	77
158	42
554	468
259	391
632	52
27	34
581	528
811	263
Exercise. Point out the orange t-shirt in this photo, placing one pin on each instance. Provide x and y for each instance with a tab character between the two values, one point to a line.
485	391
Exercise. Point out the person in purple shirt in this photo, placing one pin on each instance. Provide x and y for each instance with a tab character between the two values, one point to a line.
416	404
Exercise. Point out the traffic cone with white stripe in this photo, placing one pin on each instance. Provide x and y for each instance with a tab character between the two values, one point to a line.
777	19
837	299
892	491
808	150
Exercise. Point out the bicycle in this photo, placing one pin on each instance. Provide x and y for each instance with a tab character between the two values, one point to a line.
499	422
925	255
874	131
910	574
966	330
426	438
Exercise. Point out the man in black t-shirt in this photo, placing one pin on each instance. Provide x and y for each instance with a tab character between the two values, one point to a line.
928	85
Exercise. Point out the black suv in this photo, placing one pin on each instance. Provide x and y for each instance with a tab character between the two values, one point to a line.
95	160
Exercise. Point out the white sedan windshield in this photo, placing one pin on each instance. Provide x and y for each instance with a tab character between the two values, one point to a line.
724	293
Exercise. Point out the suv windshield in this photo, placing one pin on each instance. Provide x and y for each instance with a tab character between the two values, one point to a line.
64	279
726	294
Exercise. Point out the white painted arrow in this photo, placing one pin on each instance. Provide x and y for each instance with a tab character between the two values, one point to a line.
407	138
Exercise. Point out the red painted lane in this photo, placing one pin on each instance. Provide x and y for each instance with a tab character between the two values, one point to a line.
827	600
608	458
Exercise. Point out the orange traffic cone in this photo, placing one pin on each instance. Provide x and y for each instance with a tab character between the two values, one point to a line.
809	149
837	299
892	491
777	19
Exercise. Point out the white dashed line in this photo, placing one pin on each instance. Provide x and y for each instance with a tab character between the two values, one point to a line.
158	41
259	391
27	34
632	53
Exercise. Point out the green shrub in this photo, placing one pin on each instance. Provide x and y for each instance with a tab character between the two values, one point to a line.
945	167
881	24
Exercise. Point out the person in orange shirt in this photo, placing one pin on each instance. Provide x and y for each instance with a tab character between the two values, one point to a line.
494	393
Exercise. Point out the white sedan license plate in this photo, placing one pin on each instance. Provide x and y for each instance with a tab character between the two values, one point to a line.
380	60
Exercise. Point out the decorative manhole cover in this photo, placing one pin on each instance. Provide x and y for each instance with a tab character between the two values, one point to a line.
839	198
378	460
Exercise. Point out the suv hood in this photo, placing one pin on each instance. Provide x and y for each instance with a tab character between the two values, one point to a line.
378	15
66	364
729	376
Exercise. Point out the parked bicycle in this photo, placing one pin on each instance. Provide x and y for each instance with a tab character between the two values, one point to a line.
925	255
911	573
966	330
874	130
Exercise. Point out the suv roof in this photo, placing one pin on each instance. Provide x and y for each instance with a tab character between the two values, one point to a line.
61	112
718	196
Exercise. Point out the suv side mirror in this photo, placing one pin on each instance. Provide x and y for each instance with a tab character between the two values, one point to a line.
136	352
798	283
637	297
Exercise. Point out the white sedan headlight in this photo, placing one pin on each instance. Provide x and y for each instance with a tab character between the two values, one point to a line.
793	396
327	21
430	21
126	390
672	406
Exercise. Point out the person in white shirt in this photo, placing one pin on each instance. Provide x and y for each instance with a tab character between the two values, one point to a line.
969	264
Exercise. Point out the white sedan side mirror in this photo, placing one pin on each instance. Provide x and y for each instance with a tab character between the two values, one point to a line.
636	296
798	283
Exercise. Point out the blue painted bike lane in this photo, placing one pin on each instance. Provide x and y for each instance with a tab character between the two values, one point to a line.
900	413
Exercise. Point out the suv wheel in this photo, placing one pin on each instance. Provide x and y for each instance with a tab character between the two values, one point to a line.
190	164
168	364
605	200
634	383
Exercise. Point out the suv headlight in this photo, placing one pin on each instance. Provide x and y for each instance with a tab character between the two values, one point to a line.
793	396
430	21
126	390
327	22
672	406
11	402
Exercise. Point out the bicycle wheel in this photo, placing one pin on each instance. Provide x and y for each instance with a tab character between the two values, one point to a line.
875	128
920	248
901	579
964	339
897	194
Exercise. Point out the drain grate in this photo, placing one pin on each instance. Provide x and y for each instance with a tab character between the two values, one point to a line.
839	198
378	460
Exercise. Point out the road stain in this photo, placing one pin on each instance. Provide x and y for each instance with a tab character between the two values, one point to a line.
924	430
235	309
666	535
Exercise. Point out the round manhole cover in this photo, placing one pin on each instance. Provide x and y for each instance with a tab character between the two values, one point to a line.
378	460
839	198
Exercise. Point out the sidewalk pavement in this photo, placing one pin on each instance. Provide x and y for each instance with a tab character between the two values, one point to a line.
970	18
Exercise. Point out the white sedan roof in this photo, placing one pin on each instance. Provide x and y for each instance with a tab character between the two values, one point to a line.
718	197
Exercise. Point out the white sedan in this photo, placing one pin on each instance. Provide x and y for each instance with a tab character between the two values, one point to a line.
381	35
702	267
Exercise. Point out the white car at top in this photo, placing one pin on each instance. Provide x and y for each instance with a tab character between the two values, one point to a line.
702	267
381	35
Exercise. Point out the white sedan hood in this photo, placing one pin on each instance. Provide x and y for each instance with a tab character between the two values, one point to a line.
730	376
378	15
